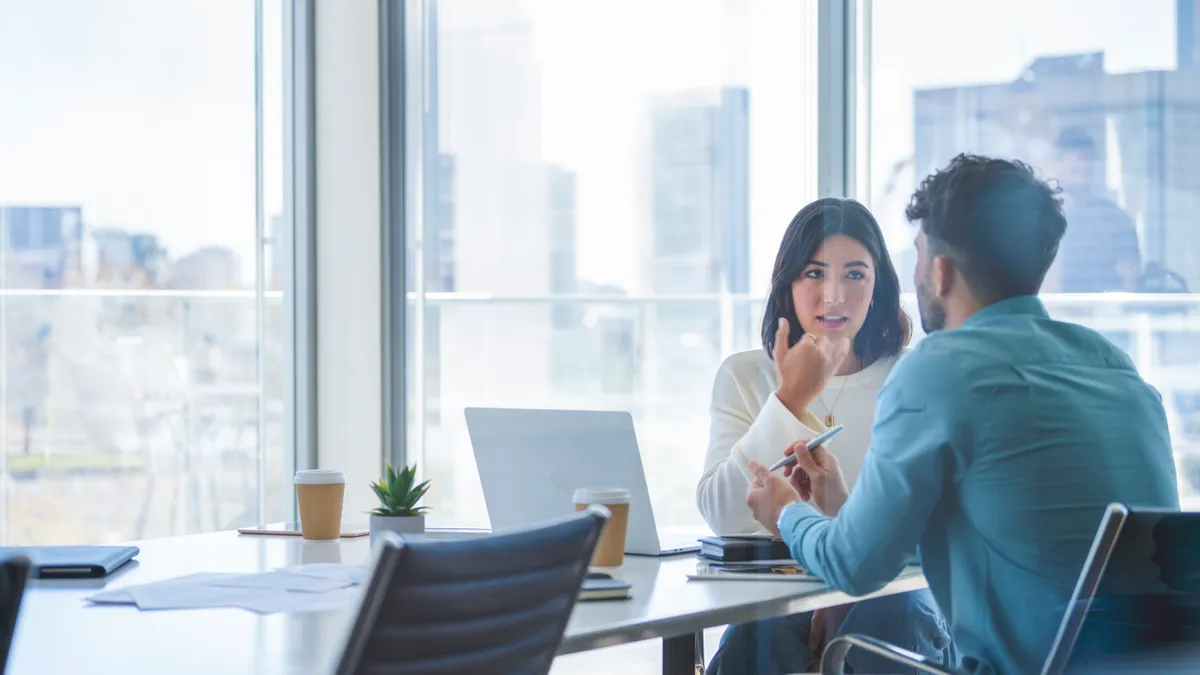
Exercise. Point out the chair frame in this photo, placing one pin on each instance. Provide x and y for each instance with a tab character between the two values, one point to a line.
392	549
833	662
17	569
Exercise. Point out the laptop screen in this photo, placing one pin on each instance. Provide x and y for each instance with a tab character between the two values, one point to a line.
1145	612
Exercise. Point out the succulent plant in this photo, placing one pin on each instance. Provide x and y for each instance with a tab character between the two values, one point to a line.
398	496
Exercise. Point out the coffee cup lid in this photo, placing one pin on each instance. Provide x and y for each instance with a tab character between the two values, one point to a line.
603	496
319	477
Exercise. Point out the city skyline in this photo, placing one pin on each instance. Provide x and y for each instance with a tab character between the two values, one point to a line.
54	247
606	225
543	175
142	113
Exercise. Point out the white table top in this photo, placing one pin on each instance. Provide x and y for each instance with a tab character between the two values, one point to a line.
58	632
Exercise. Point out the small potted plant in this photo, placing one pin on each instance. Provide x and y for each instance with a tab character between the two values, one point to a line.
398	496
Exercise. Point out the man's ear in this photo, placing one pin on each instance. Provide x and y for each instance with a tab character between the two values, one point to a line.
943	277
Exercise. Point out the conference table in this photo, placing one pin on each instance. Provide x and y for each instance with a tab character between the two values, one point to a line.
60	632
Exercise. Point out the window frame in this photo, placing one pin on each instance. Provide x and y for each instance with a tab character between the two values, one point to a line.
405	29
299	198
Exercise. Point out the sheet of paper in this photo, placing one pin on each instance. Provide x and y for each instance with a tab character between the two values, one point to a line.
308	588
352	574
122	596
283	580
269	602
187	596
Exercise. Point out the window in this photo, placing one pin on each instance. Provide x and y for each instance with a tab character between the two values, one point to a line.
606	185
1113	115
141	338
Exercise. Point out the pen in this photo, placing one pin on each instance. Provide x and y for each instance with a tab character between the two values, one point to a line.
812	445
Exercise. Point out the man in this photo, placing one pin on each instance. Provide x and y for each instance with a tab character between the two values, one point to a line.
998	440
1100	250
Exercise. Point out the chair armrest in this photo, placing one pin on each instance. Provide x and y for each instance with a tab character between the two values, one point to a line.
834	660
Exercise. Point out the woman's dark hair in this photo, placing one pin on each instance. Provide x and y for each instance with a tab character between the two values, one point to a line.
887	328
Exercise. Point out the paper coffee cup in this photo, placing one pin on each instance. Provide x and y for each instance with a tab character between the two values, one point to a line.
610	550
319	493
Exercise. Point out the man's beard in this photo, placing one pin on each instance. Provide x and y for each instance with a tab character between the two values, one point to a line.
933	315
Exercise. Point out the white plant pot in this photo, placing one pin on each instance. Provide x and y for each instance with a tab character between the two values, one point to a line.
406	525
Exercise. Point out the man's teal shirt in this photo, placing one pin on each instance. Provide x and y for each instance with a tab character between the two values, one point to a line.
995	450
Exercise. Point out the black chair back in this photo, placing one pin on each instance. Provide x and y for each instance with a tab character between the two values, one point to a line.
493	605
14	572
1135	608
1137	605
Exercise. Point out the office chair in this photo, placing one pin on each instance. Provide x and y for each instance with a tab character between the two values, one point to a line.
1135	608
13	574
489	606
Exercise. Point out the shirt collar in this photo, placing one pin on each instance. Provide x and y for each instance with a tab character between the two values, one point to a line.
1021	304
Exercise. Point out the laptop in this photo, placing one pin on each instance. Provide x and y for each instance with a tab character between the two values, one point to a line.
1136	605
531	461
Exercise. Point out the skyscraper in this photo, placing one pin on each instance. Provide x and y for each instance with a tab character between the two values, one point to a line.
438	265
438	244
560	184
484	115
593	347
699	193
561	205
1187	18
698	237
42	246
1146	126
126	259
489	114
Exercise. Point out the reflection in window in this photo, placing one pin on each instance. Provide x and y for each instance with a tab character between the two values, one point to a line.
1111	115
581	191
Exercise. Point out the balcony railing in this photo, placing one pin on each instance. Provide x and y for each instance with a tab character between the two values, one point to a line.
157	392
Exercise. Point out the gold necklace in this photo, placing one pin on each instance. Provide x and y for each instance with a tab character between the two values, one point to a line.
828	409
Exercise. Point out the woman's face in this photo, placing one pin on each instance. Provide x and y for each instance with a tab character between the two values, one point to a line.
834	291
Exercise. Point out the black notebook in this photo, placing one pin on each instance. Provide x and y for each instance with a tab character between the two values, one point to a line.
600	586
72	562
743	549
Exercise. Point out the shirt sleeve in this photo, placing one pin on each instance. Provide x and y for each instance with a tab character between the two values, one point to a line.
736	436
879	527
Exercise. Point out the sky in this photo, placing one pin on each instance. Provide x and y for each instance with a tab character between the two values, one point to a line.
143	110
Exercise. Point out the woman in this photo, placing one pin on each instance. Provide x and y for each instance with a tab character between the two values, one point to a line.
832	331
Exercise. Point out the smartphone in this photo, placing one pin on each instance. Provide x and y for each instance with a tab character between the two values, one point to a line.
293	529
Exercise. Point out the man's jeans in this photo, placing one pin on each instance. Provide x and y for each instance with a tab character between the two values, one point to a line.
780	646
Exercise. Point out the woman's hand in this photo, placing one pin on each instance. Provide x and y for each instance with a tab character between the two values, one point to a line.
769	493
805	367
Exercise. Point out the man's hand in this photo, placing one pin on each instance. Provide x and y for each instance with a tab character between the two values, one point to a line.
817	477
768	494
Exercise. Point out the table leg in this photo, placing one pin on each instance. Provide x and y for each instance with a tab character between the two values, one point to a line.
683	655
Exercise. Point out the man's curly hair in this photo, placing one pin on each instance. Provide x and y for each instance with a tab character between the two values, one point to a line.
995	220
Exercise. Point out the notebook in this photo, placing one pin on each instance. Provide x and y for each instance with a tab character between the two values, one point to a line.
792	572
72	562
600	586
743	549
